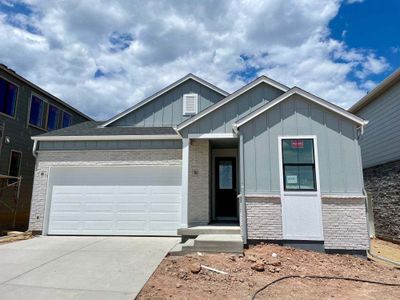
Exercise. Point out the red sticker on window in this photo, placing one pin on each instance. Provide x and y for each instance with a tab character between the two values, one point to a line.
297	144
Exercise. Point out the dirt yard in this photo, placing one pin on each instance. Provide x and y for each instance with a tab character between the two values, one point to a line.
183	277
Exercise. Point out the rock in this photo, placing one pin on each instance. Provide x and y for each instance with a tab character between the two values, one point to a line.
178	285
183	275
251	259
259	267
195	268
274	262
274	255
232	257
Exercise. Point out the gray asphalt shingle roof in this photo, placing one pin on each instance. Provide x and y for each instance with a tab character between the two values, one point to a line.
91	128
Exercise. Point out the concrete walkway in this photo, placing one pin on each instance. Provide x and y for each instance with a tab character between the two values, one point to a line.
79	267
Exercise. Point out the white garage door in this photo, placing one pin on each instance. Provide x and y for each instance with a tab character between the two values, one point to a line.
137	200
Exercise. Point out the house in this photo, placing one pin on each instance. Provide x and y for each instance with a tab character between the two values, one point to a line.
25	110
279	161
380	148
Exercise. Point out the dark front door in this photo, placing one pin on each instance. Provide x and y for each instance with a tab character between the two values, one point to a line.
225	189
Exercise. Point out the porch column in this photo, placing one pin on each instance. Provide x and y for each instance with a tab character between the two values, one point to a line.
185	181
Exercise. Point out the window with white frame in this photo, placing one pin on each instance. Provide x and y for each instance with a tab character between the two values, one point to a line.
190	104
298	165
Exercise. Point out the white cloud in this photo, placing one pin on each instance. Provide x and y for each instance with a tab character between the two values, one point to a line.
162	41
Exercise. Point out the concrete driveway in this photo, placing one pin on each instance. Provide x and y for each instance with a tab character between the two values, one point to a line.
79	267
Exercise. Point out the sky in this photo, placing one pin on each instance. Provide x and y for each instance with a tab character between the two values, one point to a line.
104	56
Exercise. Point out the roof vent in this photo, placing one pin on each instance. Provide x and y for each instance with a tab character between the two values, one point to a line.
190	104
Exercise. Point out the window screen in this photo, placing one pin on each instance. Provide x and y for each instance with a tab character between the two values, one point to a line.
8	97
298	165
36	116
66	120
52	118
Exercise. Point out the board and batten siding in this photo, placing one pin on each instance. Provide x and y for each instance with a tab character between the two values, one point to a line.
109	145
166	110
380	142
338	149
222	119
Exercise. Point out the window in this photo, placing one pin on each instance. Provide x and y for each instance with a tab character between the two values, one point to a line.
15	165
66	120
36	116
298	165
8	97
52	118
190	104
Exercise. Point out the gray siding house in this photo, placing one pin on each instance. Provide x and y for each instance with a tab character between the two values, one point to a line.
25	110
280	162
380	148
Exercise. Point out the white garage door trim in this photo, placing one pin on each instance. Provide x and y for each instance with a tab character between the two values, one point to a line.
62	182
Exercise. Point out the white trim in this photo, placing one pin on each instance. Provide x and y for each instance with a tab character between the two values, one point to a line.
185	182
262	79
163	91
262	196
343	197
284	193
306	95
106	137
212	136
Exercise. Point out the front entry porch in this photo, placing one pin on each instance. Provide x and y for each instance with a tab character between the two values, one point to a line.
211	168
211	238
213	181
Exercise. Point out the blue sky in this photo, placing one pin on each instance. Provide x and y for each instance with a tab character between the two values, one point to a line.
372	24
103	57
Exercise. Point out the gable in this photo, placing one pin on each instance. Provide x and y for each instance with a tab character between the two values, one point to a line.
337	144
222	118
166	109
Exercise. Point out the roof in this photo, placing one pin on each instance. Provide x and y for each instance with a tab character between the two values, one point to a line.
257	81
91	131
163	91
307	95
38	88
378	90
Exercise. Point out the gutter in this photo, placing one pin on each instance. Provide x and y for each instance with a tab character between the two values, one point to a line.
107	137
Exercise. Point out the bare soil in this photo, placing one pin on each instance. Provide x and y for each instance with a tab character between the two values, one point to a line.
386	249
183	278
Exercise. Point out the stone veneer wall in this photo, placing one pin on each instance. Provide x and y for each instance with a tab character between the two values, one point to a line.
345	224
264	218
383	186
344	221
199	183
47	159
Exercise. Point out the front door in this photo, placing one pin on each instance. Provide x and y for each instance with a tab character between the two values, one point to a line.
226	207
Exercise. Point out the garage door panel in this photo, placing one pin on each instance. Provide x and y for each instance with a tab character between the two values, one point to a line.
131	207
164	207
115	200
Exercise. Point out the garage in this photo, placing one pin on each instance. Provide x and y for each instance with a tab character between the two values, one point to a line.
112	200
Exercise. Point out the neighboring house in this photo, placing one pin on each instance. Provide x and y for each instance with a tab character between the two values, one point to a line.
380	148
25	110
282	162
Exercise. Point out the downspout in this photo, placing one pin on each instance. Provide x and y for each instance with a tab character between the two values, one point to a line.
242	185
34	153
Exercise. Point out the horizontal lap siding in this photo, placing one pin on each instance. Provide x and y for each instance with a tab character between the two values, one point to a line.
110	145
166	110
222	119
381	140
338	149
